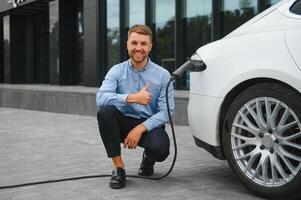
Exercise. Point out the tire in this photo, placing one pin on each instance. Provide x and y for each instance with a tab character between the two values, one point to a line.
262	140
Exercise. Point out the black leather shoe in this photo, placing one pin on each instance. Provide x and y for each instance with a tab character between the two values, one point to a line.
146	166
118	178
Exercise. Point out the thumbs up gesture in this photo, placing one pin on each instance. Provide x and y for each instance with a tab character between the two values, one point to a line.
145	88
142	97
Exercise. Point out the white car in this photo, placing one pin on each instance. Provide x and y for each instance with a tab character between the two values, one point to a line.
246	106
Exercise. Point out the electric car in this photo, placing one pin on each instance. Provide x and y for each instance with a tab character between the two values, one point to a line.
246	106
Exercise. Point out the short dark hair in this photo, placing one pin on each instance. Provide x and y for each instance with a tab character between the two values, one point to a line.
141	29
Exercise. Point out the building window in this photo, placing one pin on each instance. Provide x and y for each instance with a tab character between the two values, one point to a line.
6	37
198	22
136	12
54	62
197	17
80	39
165	33
272	2
236	12
113	33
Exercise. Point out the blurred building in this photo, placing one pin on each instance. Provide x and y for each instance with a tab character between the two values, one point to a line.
63	42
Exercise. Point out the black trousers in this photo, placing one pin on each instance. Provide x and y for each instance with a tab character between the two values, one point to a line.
114	127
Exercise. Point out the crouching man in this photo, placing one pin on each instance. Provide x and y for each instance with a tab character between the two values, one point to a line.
132	107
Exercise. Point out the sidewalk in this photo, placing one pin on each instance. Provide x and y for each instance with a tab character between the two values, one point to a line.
36	146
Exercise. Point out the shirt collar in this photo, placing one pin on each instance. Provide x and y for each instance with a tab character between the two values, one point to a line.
143	69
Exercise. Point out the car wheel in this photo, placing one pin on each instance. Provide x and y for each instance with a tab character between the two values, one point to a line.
262	140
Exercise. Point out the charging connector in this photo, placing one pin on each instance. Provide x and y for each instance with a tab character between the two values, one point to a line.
194	64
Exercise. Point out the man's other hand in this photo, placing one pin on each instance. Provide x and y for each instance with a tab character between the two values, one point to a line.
134	136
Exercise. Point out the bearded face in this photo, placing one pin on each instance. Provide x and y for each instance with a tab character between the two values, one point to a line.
139	46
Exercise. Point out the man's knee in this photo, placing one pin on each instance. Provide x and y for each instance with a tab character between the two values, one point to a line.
106	112
158	145
158	152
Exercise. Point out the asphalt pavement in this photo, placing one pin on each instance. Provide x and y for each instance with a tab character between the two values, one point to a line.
39	146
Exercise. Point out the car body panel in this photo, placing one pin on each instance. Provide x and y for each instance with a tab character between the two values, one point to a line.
293	47
268	46
200	111
276	18
252	62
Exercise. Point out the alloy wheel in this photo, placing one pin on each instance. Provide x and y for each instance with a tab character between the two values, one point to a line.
266	141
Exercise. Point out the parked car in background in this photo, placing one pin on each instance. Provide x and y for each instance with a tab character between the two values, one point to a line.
246	106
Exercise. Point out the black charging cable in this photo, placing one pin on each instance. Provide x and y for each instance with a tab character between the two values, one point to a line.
108	175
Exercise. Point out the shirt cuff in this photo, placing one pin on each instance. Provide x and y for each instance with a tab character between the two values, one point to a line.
122	98
148	125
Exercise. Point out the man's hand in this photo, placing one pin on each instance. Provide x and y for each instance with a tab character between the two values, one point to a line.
132	139
143	97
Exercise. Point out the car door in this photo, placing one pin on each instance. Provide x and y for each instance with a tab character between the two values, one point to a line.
293	35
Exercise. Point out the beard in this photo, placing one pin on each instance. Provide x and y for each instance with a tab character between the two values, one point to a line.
138	58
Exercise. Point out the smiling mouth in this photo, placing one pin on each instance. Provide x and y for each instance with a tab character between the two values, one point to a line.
138	54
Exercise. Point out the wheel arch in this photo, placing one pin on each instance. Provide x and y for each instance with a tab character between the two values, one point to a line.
231	96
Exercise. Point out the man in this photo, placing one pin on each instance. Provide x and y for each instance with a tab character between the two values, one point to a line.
132	107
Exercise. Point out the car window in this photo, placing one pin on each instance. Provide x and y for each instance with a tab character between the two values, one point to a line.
296	7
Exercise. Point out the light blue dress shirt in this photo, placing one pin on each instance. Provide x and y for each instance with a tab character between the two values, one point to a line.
123	79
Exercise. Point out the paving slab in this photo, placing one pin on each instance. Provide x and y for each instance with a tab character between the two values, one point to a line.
38	146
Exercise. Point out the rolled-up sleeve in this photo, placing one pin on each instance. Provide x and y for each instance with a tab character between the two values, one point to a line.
106	94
